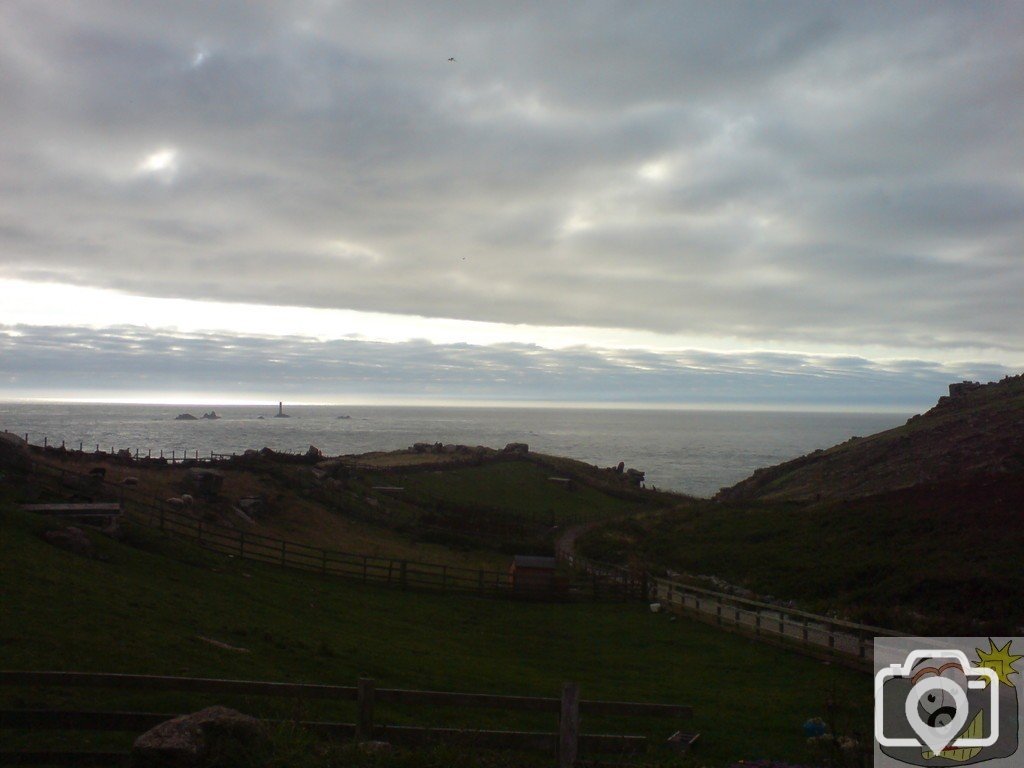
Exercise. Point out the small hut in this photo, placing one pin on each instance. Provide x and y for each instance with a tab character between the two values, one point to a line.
532	574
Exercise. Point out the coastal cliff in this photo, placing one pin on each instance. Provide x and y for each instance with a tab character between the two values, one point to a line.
973	434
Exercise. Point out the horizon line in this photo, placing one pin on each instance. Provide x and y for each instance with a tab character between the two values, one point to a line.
362	402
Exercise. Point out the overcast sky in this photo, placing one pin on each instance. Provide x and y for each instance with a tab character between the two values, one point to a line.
763	203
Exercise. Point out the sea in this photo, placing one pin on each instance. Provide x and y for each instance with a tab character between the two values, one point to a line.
696	452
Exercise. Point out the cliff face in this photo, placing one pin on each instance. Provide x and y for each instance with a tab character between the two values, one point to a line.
976	432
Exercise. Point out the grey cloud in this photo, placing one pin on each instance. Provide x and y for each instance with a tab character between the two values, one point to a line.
127	361
835	173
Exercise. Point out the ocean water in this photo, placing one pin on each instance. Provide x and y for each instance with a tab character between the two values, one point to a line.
694	452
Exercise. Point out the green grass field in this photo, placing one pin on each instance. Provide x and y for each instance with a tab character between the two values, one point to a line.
141	607
514	490
938	559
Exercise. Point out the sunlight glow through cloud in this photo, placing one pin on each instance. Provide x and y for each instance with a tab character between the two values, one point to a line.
163	164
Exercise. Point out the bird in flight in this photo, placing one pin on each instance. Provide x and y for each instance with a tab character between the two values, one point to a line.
451	59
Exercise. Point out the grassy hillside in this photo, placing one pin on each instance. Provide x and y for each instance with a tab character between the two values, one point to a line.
468	511
939	558
514	491
980	432
143	605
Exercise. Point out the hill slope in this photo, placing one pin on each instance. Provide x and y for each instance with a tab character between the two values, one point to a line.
145	605
978	432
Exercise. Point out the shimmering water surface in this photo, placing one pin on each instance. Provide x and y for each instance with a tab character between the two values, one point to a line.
694	452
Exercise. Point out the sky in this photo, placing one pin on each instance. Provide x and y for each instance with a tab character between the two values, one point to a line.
691	204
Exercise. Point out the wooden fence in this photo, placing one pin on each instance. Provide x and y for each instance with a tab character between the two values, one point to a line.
407	574
813	634
816	635
567	742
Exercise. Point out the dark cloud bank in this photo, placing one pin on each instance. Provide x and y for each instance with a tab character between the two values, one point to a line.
80	362
848	173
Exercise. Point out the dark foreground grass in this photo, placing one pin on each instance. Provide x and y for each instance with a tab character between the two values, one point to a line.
143	605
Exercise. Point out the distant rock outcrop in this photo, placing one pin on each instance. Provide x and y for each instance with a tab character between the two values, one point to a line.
978	430
518	448
185	417
212	416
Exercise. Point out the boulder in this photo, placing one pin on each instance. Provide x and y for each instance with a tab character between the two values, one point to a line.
253	506
206	482
86	484
130	481
519	448
175	503
71	539
14	452
216	735
314	453
635	476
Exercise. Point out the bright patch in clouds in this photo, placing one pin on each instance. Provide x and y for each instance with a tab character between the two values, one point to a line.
163	164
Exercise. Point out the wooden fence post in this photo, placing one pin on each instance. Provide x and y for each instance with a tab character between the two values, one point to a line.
569	726
364	698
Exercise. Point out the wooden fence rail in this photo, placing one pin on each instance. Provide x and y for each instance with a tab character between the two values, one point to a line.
846	642
407	574
567	742
820	636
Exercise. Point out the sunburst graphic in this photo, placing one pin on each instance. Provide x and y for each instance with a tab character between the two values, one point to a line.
999	660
